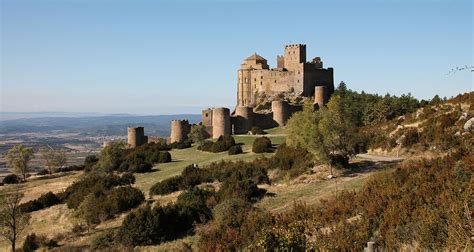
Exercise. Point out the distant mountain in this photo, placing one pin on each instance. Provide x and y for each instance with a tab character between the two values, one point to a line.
158	125
25	115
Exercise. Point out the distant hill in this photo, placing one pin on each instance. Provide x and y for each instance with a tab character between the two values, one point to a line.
157	125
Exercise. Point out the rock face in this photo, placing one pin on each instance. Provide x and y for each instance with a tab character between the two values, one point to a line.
469	125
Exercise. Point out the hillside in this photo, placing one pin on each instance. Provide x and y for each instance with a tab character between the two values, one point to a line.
296	185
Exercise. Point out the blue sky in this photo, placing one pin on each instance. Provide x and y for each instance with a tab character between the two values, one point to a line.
164	57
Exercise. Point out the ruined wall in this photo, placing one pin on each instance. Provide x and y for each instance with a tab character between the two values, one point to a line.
220	122
179	130
136	137
206	119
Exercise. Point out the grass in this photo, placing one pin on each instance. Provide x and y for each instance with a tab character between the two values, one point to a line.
185	157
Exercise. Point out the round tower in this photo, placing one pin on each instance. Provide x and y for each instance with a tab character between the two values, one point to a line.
280	111
320	96
220	122
135	136
179	130
243	120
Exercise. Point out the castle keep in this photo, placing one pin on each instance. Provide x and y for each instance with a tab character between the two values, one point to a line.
292	74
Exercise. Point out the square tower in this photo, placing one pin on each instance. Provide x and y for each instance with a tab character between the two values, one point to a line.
294	56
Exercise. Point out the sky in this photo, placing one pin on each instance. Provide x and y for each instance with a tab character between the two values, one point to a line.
168	57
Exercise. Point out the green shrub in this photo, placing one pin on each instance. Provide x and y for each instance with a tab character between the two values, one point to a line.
167	186
257	131
76	192
181	145
146	226
102	205
104	241
223	143
164	157
234	150
190	177
242	189
11	179
262	145
44	201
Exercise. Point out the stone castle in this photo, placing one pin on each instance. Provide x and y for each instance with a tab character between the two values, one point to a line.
254	79
292	74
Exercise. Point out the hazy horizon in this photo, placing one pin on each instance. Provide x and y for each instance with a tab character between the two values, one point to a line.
165	57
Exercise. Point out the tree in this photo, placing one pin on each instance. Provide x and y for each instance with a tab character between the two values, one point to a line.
330	133
339	134
13	221
302	129
18	158
53	158
111	156
198	134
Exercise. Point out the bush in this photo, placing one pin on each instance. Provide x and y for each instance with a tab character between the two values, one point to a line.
166	186
190	177
242	189
181	145
30	243
262	145
223	143
100	206
44	201
411	137
43	172
257	131
146	226
104	241
11	179
234	150
76	192
164	157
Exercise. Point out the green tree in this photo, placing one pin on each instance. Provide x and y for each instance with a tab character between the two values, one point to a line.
111	156
377	113
18	158
302	129
53	158
340	139
13	221
330	134
198	134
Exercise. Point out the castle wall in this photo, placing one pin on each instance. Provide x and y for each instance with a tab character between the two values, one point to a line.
242	121
220	122
136	137
179	130
264	121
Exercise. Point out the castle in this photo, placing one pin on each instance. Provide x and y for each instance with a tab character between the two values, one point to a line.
255	78
292	74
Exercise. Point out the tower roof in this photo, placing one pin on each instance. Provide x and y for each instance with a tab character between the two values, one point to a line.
255	56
